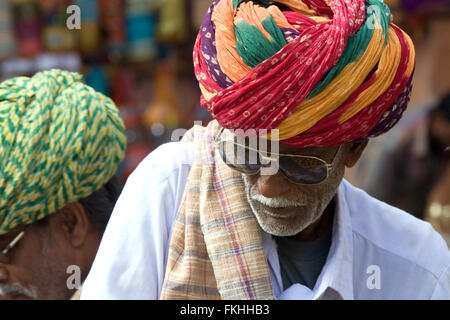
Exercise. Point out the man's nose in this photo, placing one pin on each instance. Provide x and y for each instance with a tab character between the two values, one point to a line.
272	186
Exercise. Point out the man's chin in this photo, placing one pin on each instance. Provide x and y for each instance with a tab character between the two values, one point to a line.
16	297
281	223
279	228
281	213
17	292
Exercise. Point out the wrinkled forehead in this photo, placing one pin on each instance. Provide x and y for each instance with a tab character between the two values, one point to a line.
251	139
323	152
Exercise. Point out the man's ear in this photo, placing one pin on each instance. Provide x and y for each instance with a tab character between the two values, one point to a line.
354	152
74	223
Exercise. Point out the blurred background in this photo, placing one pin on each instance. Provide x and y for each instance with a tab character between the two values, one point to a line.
139	52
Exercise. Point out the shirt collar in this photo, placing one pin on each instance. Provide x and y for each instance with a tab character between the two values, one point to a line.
337	273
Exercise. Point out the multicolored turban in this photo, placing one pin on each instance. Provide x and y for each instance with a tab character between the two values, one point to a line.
322	72
60	141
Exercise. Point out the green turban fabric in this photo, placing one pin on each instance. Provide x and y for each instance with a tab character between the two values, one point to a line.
60	141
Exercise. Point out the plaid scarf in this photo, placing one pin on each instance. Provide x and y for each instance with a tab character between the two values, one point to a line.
216	247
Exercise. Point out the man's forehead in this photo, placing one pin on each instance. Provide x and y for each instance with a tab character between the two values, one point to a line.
285	148
262	143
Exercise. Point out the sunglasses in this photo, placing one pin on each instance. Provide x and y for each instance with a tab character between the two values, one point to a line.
297	169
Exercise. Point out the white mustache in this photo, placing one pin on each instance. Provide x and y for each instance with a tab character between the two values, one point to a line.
8	290
276	202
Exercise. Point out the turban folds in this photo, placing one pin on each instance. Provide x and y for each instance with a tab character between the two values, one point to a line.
60	141
321	72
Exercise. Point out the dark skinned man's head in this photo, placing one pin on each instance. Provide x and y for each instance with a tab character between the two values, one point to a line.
440	123
292	199
61	143
37	266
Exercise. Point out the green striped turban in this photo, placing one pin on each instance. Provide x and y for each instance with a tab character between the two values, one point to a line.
60	141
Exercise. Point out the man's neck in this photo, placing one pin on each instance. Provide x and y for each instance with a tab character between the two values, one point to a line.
318	228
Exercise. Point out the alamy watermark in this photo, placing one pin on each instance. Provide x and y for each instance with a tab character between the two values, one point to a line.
73	282
374	279
373	12
74	20
249	147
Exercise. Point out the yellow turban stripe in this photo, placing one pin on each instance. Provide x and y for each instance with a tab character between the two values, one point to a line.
336	93
60	141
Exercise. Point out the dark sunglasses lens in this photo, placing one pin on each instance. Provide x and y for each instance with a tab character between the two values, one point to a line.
303	170
239	158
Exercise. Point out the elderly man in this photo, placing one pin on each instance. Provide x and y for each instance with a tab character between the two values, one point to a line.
208	218
60	145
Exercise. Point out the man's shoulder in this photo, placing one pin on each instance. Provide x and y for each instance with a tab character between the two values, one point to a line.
168	159
394	233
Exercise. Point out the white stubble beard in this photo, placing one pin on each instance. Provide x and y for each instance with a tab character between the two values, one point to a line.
306	208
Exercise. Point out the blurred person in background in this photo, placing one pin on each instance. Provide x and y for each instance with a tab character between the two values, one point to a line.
407	166
413	174
61	143
438	199
196	221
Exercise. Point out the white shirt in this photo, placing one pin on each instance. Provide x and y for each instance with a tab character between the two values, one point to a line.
377	251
